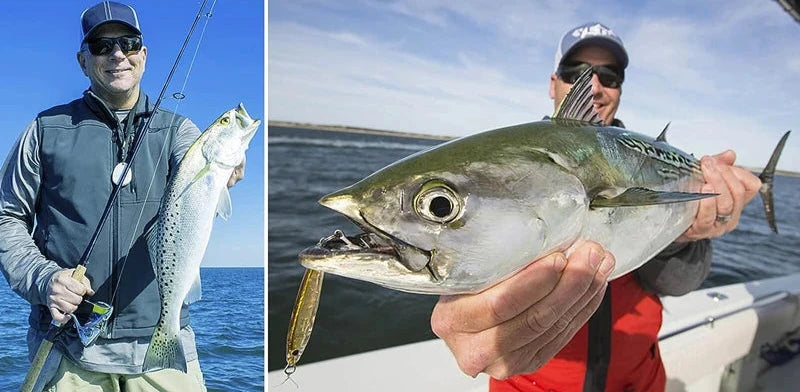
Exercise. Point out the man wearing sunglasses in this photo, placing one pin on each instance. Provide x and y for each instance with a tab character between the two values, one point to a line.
537	319
60	175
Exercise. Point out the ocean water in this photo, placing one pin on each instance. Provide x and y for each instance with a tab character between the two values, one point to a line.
228	323
356	316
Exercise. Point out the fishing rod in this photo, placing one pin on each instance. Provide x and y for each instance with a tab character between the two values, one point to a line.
56	328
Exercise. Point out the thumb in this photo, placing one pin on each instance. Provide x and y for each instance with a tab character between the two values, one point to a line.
88	285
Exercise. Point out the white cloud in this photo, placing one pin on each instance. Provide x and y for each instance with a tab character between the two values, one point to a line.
350	38
378	87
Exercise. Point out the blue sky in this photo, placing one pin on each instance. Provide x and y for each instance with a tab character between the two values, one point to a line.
39	70
725	73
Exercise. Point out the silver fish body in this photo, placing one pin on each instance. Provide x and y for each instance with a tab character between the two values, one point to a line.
195	194
469	213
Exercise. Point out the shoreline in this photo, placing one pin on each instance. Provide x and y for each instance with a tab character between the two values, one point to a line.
349	129
371	131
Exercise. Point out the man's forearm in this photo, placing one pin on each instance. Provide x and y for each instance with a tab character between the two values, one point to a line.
25	268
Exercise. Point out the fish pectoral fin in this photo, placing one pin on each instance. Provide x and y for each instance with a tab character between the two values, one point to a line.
637	196
224	205
578	103
195	292
200	174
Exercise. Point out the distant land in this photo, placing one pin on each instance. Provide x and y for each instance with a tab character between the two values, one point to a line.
345	128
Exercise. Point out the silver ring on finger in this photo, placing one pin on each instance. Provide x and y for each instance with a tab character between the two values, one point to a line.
723	218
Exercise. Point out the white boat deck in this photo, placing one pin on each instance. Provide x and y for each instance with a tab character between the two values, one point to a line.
710	341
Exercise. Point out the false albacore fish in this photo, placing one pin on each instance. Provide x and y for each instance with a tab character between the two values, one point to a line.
464	215
196	192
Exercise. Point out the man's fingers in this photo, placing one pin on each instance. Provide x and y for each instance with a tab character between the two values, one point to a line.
714	176
58	315
727	157
707	211
65	294
752	184
88	285
738	195
535	354
65	297
64	306
238	173
61	308
588	265
64	279
588	268
473	313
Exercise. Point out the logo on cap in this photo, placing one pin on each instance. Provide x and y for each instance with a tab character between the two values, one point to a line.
592	31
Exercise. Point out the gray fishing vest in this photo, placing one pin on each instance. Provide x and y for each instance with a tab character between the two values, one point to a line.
79	148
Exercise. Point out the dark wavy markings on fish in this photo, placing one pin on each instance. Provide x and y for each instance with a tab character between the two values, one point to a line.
672	158
669	174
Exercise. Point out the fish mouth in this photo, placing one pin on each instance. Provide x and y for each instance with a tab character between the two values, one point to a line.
374	255
371	245
369	254
338	244
246	122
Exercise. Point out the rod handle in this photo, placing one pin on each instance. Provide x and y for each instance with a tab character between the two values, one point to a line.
45	347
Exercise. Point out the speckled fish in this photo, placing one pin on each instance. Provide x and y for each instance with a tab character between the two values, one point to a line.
195	194
466	214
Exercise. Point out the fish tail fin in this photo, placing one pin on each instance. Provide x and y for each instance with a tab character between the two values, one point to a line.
165	350
767	176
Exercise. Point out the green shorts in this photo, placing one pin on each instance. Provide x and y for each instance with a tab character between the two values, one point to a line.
71	378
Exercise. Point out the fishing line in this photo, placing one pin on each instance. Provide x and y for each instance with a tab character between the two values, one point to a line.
178	96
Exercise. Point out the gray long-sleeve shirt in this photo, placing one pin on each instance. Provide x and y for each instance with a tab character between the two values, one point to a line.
678	269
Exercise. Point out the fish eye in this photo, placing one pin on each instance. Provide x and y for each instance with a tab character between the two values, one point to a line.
224	120
436	202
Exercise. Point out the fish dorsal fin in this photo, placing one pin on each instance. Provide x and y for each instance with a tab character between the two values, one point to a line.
662	137
224	205
195	292
637	196
577	104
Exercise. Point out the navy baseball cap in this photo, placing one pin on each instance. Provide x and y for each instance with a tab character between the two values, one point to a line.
592	33
105	12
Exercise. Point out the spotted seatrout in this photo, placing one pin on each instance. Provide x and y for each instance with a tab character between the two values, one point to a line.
196	192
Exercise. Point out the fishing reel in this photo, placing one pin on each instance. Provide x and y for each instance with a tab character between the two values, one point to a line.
95	323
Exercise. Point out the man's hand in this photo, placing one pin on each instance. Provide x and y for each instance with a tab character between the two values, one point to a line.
237	174
735	186
64	294
518	325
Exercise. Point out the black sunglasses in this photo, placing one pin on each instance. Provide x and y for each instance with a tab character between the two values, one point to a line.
610	76
104	45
